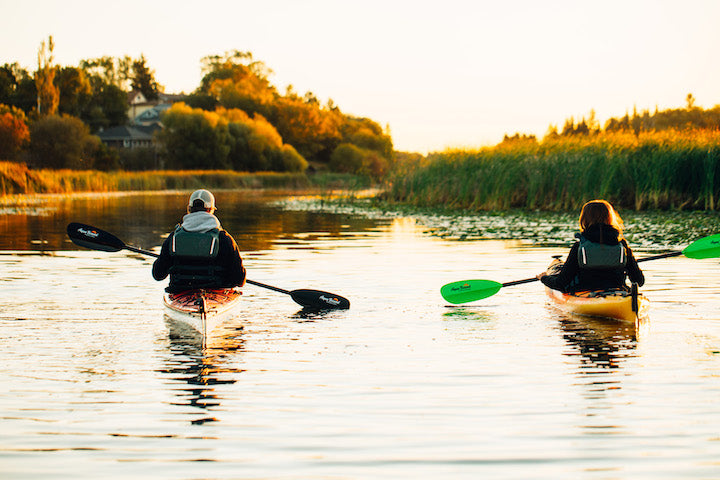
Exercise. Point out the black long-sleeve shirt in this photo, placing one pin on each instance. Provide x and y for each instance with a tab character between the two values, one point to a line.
573	278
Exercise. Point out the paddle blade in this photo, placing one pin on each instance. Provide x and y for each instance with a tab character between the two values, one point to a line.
93	238
469	290
320	300
708	247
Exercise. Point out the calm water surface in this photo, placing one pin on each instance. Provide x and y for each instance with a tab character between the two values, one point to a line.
99	384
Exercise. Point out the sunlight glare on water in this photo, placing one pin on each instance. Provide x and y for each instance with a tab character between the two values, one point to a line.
100	384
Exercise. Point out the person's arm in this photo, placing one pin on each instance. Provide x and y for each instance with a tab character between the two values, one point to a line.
568	273
633	269
161	266
233	262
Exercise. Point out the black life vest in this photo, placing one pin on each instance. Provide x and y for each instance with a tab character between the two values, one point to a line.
194	256
600	255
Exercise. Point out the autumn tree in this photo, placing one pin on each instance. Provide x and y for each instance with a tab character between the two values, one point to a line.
224	139
235	80
14	132
48	96
311	129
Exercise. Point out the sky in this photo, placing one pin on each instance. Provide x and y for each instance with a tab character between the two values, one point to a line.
439	74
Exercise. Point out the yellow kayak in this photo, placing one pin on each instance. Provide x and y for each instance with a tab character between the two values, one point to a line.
612	304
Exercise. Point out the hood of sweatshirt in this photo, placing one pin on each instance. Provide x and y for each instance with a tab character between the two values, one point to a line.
602	233
200	222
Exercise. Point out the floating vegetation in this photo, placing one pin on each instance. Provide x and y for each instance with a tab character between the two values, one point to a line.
649	231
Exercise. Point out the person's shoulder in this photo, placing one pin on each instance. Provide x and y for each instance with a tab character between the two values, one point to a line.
226	237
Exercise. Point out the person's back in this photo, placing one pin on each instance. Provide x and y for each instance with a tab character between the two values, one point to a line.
601	259
199	253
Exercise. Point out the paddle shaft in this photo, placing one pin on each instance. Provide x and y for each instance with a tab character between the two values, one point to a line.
91	237
519	282
659	256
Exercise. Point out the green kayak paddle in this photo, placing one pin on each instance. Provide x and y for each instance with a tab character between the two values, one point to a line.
466	291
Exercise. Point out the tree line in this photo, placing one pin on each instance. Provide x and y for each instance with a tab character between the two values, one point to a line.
691	117
235	119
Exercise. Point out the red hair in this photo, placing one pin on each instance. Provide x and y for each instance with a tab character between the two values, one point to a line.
600	212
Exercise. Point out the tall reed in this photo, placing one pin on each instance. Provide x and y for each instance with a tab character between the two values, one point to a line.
652	170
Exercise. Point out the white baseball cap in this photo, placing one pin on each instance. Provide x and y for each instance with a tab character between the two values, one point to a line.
207	198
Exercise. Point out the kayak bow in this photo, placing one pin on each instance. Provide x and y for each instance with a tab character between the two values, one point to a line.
202	309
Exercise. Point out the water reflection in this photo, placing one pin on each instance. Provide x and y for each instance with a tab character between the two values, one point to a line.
601	344
199	364
144	219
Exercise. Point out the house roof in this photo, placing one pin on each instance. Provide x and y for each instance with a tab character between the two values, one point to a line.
136	97
151	114
124	132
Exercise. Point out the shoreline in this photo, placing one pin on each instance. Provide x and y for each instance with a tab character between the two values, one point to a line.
18	183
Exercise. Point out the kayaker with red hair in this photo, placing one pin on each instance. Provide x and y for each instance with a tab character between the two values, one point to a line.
199	253
601	258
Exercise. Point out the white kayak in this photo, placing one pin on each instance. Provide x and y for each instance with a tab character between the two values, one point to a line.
202	309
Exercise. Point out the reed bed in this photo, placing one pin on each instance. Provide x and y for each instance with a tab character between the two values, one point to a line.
18	179
651	170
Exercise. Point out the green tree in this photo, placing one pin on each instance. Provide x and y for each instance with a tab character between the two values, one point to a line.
349	158
108	71
367	134
62	142
75	91
143	79
194	139
17	88
8	83
48	96
107	107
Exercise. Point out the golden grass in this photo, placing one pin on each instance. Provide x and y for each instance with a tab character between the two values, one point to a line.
18	179
652	170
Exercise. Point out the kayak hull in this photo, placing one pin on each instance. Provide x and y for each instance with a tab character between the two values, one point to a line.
610	305
202	309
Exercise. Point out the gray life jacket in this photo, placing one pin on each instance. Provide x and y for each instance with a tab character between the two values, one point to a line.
195	244
599	255
193	257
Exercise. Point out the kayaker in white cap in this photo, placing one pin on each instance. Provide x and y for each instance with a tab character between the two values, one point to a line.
199	253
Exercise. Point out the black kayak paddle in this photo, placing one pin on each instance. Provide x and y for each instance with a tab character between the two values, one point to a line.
96	239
